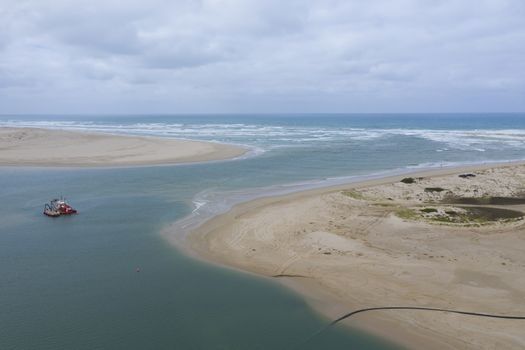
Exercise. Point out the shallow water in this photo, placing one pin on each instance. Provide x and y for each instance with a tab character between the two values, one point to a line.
71	282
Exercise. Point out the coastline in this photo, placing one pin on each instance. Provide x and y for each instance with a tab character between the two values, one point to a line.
37	147
321	298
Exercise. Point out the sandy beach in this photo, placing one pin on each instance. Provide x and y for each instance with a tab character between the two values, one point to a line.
431	239
42	147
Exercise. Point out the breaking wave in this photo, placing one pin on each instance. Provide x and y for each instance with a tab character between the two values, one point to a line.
268	137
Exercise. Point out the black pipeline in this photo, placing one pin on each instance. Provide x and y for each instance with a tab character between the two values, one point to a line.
468	313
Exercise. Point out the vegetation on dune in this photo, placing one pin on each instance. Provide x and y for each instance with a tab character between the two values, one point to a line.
407	214
353	194
463	215
485	200
453	209
384	204
434	189
408	180
492	214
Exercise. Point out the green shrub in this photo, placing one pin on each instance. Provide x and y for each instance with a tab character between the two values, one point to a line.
434	189
408	180
353	194
405	213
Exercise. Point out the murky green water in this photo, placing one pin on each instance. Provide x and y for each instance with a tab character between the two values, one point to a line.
71	282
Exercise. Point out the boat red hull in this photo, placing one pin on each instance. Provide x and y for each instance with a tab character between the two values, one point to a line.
69	212
58	207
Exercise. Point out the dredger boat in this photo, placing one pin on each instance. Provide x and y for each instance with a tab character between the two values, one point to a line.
58	207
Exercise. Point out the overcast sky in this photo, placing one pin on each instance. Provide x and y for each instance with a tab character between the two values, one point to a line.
177	56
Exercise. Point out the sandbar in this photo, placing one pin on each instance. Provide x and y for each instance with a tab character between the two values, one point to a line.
48	148
386	242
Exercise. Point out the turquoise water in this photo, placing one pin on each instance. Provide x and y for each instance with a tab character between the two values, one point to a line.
71	282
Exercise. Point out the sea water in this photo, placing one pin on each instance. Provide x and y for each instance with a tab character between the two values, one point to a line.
72	282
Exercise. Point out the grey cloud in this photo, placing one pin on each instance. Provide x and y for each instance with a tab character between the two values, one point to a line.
8	79
392	72
95	69
180	58
277	55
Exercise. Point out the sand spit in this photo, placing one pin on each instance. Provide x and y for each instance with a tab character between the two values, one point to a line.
392	243
42	147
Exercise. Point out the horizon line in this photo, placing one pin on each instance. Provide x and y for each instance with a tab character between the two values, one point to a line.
250	113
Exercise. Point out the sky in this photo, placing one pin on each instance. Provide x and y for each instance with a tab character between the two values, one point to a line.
261	56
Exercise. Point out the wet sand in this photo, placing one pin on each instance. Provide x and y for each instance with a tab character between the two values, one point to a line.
42	147
384	243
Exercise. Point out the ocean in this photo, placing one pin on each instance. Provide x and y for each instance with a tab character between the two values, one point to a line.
71	283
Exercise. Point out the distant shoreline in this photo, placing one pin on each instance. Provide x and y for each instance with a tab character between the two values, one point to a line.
226	240
36	147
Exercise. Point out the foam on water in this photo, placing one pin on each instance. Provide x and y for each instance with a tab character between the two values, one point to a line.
277	136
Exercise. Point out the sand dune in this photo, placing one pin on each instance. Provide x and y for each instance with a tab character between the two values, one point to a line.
41	147
384	243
